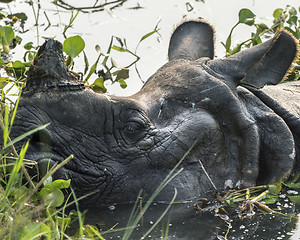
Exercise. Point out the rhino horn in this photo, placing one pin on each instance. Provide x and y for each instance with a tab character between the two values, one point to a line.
49	72
192	40
266	63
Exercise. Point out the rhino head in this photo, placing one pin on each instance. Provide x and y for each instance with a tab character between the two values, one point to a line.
239	134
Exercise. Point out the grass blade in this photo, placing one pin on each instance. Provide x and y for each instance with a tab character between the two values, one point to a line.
162	215
17	139
16	169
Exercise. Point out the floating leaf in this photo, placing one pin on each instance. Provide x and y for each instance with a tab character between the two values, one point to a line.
246	16
293	185
270	200
275	188
295	178
295	199
73	46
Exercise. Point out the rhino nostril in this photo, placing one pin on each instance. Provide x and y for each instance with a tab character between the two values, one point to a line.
41	139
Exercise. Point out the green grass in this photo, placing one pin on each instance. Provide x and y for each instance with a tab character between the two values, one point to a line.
38	210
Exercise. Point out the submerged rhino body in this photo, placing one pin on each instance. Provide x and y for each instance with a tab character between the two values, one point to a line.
211	112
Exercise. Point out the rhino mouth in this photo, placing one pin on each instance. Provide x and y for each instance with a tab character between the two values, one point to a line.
70	171
45	164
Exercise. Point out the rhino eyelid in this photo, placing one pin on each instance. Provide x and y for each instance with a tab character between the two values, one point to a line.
133	126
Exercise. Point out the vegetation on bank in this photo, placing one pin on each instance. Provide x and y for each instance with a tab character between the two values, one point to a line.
37	210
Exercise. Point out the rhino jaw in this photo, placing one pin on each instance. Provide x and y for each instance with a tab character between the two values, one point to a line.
49	72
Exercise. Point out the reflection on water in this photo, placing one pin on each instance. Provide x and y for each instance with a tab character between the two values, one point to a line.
184	222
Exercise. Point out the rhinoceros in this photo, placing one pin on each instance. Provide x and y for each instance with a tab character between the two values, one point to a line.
219	117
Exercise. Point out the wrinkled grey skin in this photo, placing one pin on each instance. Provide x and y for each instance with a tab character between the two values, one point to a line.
124	144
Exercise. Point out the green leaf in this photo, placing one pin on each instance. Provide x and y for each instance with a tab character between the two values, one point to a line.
47	189
295	199
122	74
73	46
297	33
123	84
9	33
28	45
120	49
98	85
93	69
295	178
292	20
148	35
52	196
86	62
262	26
60	183
18	64
275	188
246	16
228	44
291	10
277	13
2	31
13	177
293	185
236	49
3	82
270	200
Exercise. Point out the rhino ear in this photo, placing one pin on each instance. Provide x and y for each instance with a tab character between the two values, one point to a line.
266	63
192	40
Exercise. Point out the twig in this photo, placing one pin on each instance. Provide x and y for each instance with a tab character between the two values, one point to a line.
290	90
94	8
49	23
207	175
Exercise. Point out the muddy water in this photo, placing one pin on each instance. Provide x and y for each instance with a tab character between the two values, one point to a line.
131	21
185	223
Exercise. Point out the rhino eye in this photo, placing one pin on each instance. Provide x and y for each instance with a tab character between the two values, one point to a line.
133	127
